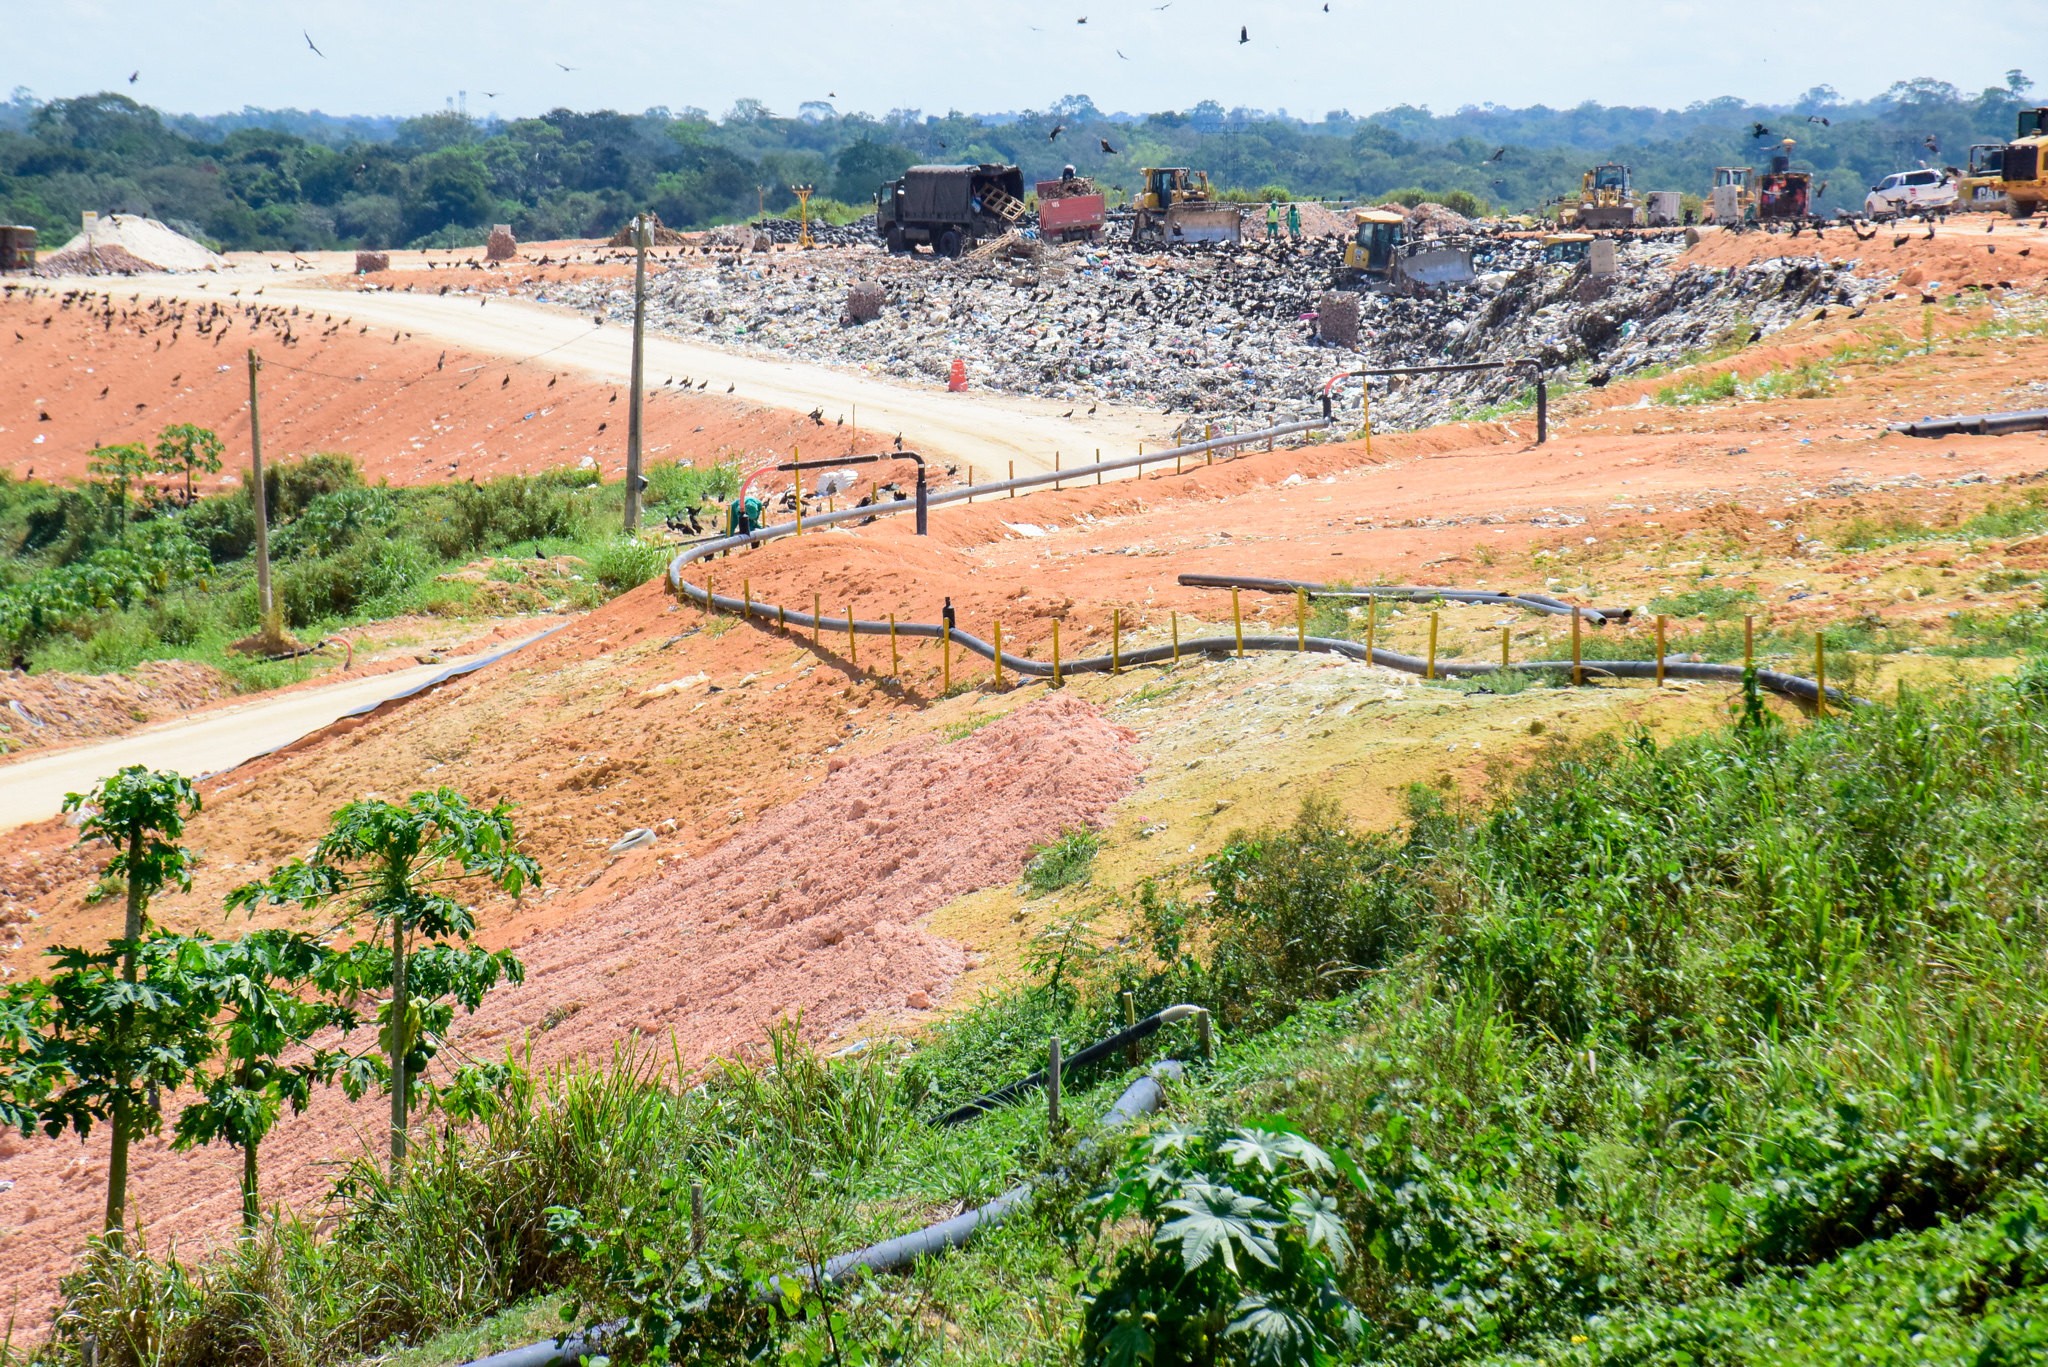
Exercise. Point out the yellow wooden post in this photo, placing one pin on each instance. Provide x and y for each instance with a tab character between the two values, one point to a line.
1176	464
999	654
708	593
852	650
747	599
1098	459
895	660
970	482
1504	647
1365	395
1578	671
1176	638
1013	475
817	618
1116	637
946	657
1372	619
1748	641
796	454
1660	650
1820	674
1237	622
1301	619
1055	652
782	617
1055	470
1430	668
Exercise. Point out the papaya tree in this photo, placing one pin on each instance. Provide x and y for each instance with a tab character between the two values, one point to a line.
115	1027
393	862
275	991
188	449
118	468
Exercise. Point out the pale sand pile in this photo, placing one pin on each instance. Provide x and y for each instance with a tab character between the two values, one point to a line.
145	239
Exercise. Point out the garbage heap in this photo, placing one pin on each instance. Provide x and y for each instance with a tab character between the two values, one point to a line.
1224	334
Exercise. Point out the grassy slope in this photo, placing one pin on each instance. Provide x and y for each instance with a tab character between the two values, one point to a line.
1724	1051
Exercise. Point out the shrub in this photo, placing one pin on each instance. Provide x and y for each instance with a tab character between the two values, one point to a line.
1236	1259
1062	862
622	565
289	487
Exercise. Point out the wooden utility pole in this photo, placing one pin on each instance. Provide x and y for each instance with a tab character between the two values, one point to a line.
272	630
639	346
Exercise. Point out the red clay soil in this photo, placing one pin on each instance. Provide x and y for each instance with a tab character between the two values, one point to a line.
74	376
809	910
1968	249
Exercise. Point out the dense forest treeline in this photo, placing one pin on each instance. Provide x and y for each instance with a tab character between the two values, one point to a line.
303	180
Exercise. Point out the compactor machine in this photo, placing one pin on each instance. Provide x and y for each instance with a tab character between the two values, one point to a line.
1606	200
1173	205
2024	174
1379	256
1983	183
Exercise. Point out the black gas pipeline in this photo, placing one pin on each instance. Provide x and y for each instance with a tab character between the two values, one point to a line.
1977	424
1535	602
1142	1097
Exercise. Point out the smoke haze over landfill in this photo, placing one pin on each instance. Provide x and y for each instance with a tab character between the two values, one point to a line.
386	57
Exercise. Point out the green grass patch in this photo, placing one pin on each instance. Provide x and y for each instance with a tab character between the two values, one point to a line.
1063	862
86	591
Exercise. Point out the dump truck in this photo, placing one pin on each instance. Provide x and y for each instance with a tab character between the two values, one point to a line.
1380	256
2024	175
1070	209
1983	182
1173	205
948	208
1606	199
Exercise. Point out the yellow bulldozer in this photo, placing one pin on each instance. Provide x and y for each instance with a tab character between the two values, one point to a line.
2023	176
1983	182
1606	200
1173	205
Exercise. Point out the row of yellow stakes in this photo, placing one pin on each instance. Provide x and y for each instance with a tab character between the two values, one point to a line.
1116	628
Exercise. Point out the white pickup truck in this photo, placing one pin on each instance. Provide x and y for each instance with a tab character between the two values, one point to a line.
1910	192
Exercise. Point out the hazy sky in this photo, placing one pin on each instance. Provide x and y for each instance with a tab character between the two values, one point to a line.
411	56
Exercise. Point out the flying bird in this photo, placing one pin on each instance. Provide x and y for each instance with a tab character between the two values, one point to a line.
569	68
1498	153
1757	130
1057	129
1820	119
1082	20
1107	150
135	76
309	43
1120	53
1931	143
1244	35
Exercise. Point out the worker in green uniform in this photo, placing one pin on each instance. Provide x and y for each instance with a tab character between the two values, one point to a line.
1272	220
1294	221
743	516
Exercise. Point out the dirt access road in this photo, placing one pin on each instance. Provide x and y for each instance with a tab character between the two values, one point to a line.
34	789
989	430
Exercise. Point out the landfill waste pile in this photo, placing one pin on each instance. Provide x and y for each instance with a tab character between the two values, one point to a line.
1226	334
787	232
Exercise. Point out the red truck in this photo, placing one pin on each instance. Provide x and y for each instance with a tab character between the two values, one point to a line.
1070	210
